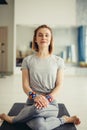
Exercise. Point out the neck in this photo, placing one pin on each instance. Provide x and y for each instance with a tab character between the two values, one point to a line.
43	53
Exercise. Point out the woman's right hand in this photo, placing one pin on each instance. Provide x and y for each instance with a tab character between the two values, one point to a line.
41	102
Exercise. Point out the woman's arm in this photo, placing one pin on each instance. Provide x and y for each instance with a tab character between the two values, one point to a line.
25	81
40	101
59	83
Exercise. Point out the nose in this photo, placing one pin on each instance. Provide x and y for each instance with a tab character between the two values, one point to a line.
43	36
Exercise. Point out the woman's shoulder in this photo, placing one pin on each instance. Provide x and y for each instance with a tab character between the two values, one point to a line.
59	61
57	58
29	57
26	61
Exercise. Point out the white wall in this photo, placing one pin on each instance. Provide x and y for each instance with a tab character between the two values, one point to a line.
64	37
34	12
24	36
52	12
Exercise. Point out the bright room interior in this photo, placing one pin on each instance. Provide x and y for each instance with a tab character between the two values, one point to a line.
68	19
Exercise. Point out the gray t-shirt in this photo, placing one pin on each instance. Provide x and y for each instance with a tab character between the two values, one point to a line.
43	72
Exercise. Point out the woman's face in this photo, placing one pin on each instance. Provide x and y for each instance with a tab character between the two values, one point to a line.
43	37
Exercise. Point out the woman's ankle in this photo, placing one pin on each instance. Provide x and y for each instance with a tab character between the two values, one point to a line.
73	119
7	118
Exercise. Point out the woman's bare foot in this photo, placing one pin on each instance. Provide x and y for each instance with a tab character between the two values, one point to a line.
6	117
73	119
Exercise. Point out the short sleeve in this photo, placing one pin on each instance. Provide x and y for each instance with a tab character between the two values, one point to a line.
24	64
61	64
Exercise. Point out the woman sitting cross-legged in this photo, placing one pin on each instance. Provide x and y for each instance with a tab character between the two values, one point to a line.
42	76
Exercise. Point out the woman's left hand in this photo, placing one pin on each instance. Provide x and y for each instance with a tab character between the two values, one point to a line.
41	102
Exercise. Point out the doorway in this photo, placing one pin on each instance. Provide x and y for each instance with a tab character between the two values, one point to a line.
3	49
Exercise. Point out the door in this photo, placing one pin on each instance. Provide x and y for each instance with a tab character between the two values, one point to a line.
3	49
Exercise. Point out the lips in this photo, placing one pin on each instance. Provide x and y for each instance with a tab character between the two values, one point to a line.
43	41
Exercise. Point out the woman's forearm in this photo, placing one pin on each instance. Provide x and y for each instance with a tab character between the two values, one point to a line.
59	83
25	81
55	91
27	89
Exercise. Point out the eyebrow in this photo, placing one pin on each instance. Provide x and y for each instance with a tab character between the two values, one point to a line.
42	33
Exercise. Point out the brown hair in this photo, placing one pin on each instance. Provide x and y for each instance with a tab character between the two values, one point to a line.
34	44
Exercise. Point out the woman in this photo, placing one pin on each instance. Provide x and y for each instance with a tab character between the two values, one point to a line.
42	76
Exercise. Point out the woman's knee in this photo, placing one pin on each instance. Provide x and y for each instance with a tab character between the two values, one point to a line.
38	124
41	124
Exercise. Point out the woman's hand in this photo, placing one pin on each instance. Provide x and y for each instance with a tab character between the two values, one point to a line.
41	102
